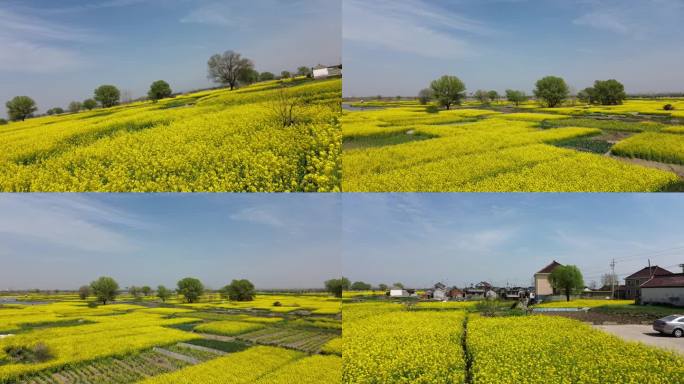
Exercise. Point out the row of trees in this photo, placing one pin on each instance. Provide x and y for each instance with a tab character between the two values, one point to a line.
337	286
23	107
106	289
228	69
551	91
233	70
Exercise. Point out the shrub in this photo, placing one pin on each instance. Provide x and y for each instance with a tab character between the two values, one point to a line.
277	304
3	121
668	107
35	354
432	109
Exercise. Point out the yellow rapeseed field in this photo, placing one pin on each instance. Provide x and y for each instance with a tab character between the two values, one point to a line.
405	149
207	141
557	350
402	347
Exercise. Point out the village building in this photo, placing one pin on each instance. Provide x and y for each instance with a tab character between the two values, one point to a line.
324	72
634	281
438	292
542	283
399	293
455	293
663	289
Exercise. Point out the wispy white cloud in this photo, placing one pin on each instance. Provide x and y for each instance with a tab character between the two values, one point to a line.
412	26
217	14
36	45
604	20
637	19
26	56
257	215
72	221
90	6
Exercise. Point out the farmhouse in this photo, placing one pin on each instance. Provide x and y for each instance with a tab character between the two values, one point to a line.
438	292
636	279
664	289
542	284
323	72
455	293
399	293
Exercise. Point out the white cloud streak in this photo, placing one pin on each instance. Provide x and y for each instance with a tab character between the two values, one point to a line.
71	221
640	19
413	27
258	216
34	45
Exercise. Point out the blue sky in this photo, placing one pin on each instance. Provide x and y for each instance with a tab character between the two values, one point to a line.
51	241
397	47
419	239
59	51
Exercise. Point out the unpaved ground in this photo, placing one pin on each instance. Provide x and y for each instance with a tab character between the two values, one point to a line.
678	169
599	317
644	334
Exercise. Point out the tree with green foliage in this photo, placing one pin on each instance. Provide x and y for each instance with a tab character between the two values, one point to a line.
107	95
239	290
227	68
160	89
304	71
84	292
191	289
3	122
482	96
360	286
285	74
337	286
163	293
609	92
493	95
105	289
551	91
382	287
20	107
448	90
425	95
587	95
55	111
146	290
89	104
567	279
135	291
248	76
516	97
398	285
75	106
266	76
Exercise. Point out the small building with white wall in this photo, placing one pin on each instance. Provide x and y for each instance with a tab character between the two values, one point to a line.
323	72
667	289
399	293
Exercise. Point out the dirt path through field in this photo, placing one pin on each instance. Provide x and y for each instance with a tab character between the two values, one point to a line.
646	335
675	168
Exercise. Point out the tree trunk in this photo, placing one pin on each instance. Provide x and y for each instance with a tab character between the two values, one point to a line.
567	294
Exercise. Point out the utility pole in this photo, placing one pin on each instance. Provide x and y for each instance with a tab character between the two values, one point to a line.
612	279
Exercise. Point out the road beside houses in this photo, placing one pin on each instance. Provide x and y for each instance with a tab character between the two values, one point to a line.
644	334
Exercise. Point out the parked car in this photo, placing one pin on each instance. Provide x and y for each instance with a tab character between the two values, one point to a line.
670	325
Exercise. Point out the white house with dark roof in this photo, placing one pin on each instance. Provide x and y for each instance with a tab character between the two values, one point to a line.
663	289
634	281
323	72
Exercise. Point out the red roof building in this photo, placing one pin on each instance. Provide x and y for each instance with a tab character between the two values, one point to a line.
663	289
542	284
636	279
